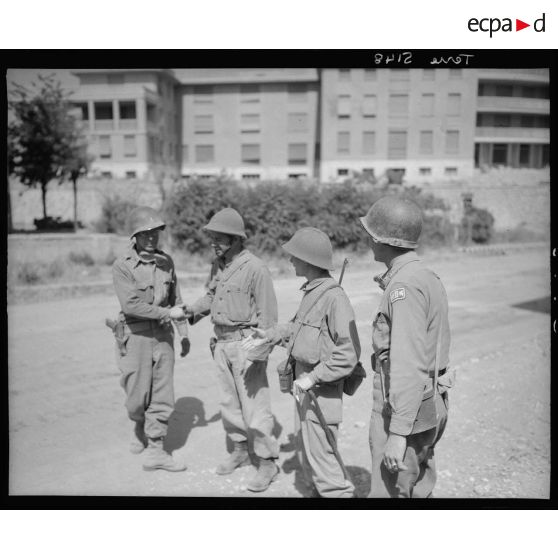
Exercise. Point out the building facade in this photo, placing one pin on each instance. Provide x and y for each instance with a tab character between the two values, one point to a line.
278	123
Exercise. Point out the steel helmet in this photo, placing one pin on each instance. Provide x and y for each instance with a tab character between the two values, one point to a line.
144	218
227	221
311	245
395	221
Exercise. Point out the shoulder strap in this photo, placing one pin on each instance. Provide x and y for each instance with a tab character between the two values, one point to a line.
308	312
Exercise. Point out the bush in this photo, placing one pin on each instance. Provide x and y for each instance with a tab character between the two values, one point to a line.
114	214
54	224
477	226
273	211
81	258
32	273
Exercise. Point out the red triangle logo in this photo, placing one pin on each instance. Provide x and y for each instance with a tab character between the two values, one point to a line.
519	25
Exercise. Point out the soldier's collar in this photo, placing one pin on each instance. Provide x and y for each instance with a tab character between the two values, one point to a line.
396	264
137	259
311	285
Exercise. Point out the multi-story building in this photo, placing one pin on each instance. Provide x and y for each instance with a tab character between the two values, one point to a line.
276	123
132	120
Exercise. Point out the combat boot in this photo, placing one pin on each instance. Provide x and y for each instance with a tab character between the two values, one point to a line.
267	471
157	458
139	439
238	458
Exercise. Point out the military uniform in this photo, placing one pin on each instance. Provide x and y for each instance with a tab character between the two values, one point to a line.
146	291
240	295
326	347
405	335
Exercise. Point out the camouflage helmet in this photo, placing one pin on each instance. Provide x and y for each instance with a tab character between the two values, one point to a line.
144	218
311	245
395	221
227	221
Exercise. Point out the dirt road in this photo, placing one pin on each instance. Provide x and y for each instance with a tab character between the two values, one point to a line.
69	432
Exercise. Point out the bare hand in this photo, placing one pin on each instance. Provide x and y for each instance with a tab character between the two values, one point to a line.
302	384
177	313
257	339
188	312
394	452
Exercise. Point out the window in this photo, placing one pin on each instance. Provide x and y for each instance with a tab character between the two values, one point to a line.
250	153
130	148
151	113
427	104
500	154
83	109
368	143
502	120
185	153
203	94
250	177
117	79
426	145
206	176
344	106
399	75
297	122
203	124
344	74
250	93
343	142
127	110
452	141
454	104
297	92
398	104
250	123
297	175
524	154
504	91
105	148
106	174
205	153
370	106
342	172
370	74
131	174
450	171
103	111
455	73
397	144
425	171
297	153
368	172
428	75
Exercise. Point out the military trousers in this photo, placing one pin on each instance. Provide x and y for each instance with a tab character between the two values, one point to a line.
245	401
147	371
419	479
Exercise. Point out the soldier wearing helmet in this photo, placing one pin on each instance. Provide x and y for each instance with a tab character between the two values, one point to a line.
410	340
147	289
322	339
240	295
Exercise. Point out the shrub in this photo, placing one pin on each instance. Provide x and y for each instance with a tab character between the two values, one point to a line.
81	258
274	210
53	224
477	226
28	273
114	214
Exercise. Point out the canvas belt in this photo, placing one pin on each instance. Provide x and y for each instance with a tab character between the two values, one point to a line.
231	333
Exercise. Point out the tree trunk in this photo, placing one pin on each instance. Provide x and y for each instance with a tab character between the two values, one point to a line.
44	190
74	182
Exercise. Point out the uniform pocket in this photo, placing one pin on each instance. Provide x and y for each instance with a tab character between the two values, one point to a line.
306	345
145	291
237	303
380	333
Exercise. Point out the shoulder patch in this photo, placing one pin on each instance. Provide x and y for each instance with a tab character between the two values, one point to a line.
397	294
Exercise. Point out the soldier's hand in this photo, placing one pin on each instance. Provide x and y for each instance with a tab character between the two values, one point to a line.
188	312
177	313
257	339
394	452
304	383
185	344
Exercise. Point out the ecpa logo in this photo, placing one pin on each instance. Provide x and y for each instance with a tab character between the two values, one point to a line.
494	24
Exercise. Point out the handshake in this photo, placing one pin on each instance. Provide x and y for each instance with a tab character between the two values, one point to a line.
257	339
180	312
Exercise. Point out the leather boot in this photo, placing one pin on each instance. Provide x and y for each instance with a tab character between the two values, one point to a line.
267	471
139	439
238	458
157	458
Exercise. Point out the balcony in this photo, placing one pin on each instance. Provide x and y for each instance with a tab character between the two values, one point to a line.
128	124
103	125
488	134
536	75
513	104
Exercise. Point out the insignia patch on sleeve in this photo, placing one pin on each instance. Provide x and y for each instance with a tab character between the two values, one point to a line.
397	294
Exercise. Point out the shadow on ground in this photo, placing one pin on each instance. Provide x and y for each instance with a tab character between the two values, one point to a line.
188	413
536	305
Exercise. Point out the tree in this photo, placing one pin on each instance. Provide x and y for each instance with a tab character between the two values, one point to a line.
43	135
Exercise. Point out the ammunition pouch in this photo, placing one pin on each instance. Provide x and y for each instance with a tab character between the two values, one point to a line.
118	329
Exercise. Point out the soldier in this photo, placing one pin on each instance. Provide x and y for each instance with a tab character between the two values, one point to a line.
240	295
411	340
323	341
147	288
